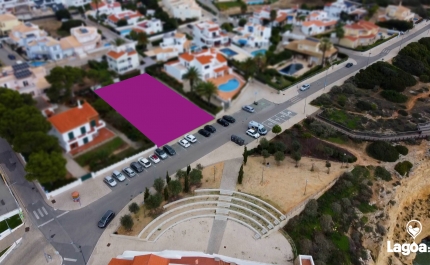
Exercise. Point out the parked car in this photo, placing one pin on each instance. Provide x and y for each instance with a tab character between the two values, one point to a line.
106	219
11	57
210	128
253	133
110	181
129	172
348	65
305	87
237	140
118	175
248	109
229	118
190	138
169	150
154	158
144	162
204	133
136	167
222	122
190	26
184	143
257	126
160	153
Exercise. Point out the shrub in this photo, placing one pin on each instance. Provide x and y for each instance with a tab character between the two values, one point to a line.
382	151
129	75
401	25
121	23
403	150
67	25
381	172
403	167
363	105
424	78
127	222
403	112
134	208
62	14
394	96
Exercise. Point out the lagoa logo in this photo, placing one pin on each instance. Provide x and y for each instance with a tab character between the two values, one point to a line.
413	228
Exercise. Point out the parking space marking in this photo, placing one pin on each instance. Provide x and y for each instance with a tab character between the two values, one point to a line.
44	210
35	214
40	212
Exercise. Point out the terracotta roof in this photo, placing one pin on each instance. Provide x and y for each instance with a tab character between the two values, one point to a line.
213	29
204	59
220	58
113	18
73	118
222	68
137	30
186	56
319	23
362	25
115	261
7	17
115	54
150	260
102	4
281	18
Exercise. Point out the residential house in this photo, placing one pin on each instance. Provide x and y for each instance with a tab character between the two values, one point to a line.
335	9
131	17
44	47
361	33
253	35
397	12
105	8
7	22
150	27
10	6
183	9
123	58
81	41
283	16
68	3
24	79
76	127
317	22
174	43
304	260
309	50
208	62
24	33
209	34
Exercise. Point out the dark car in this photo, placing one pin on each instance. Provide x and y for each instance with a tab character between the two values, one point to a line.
11	57
106	219
348	65
237	140
210	128
222	122
204	133
228	118
169	150
160	153
136	167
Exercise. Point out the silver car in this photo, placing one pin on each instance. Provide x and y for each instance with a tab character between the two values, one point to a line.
129	172
110	181
305	87
118	175
248	109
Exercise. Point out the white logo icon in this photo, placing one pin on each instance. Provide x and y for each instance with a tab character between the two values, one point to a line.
414	228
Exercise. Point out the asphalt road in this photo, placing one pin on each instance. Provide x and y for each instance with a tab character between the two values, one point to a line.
4	52
68	230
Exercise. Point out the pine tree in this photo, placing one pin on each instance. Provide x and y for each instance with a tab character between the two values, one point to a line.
187	184
167	177
146	194
240	178
245	155
188	169
166	194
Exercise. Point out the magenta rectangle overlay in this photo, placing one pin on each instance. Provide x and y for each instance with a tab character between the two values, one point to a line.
156	110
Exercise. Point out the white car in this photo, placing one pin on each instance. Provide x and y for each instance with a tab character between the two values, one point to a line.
110	181
118	175
253	133
305	87
184	143
144	162
190	138
154	158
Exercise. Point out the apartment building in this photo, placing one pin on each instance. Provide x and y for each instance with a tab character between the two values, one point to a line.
123	58
105	8
283	16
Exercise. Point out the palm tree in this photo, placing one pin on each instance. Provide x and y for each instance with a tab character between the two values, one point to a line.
340	32
97	2
249	67
206	89
193	75
118	42
260	60
325	45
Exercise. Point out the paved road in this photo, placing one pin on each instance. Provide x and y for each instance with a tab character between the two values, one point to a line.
4	52
68	230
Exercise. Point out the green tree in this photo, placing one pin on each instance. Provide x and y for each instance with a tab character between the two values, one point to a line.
140	37
62	79
276	129
97	3
192	75
243	7
175	187
245	155
327	165
279	157
227	27
102	77
31	142
158	184
261	61
240	177
297	156
11	99
264	143
195	176
296	146
121	23
118	41
242	22
127	222
133	208
188	170
146	194
187	184
324	46
180	174
273	15
154	201
206	89
166	194
265	155
46	168
340	32
167	177
62	14
249	67
280	146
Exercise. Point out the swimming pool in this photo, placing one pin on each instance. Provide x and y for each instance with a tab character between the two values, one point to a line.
37	63
125	32
257	52
291	69
255	2
231	85
228	52
242	42
194	47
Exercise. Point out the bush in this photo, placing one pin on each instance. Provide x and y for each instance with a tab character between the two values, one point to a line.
62	14
403	150
382	173
403	167
394	96
400	25
363	105
403	112
424	78
127	222
67	25
275	58
382	151
130	74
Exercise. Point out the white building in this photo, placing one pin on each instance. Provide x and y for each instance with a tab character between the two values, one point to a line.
82	40
24	79
183	9
207	33
150	27
351	8
123	58
397	13
173	44
105	8
208	62
283	16
68	3
24	33
253	35
9	6
132	17
76	127
317	22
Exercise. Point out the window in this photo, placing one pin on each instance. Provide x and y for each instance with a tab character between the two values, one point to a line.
93	123
207	66
25	83
71	136
83	130
85	140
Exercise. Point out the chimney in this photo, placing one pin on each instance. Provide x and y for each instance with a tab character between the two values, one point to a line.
79	104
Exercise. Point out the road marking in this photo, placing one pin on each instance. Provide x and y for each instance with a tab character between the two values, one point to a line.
46	222
35	214
272	121
62	214
72	260
44	210
40	212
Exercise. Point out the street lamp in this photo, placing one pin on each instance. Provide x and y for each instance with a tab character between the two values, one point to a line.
368	57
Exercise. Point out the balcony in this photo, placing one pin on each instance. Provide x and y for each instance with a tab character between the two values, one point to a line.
100	124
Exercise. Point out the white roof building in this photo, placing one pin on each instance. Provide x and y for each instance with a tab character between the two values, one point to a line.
105	8
183	9
283	16
150	27
173	44
351	8
253	35
317	22
123	58
209	34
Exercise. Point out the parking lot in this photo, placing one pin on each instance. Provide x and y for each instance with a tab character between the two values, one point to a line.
278	118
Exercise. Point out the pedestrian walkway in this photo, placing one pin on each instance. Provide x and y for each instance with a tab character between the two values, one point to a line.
230	173
217	233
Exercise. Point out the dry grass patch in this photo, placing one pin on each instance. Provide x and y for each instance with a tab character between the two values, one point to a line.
212	176
141	219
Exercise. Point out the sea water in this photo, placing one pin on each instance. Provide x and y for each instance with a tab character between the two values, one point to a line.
423	258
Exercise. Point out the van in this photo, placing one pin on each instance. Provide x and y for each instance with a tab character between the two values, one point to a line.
259	127
236	139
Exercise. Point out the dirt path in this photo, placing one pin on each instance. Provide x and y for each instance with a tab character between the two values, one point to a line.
359	152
